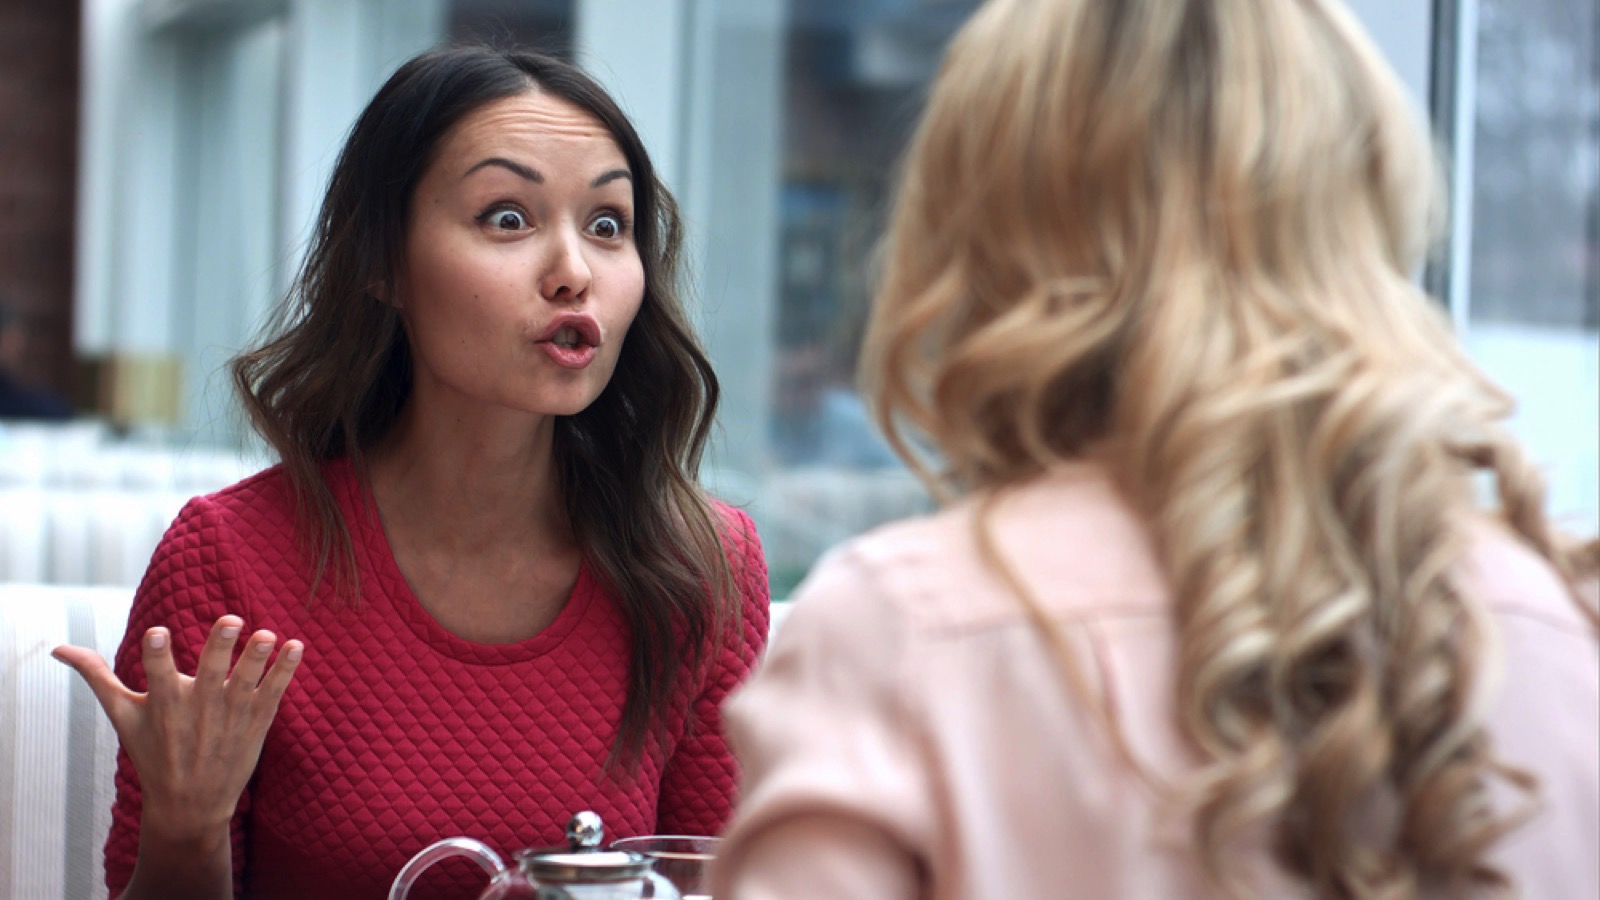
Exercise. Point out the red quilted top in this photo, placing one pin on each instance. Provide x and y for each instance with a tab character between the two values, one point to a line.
396	733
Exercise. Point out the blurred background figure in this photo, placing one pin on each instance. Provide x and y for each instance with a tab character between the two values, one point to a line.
18	399
817	420
1243	588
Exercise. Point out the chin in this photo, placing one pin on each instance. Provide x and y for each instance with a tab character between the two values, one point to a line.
566	407
567	412
561	399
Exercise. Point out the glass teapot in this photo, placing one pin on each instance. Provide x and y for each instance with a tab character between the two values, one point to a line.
580	870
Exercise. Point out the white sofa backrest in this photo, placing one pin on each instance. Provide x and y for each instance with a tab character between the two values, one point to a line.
77	536
57	748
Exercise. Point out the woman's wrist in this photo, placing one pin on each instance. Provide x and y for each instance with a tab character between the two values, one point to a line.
183	834
197	865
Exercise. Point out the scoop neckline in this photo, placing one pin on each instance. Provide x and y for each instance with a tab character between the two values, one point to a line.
360	509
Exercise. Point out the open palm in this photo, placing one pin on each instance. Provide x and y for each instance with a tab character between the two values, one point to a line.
193	740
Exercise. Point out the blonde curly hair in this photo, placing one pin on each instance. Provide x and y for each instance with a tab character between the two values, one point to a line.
1179	236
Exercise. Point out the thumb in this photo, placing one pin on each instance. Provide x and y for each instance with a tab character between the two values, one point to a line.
107	687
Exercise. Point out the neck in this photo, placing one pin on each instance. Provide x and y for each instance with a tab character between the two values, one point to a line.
462	484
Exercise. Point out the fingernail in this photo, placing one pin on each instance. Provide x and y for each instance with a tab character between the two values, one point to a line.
261	648
230	632
157	640
294	653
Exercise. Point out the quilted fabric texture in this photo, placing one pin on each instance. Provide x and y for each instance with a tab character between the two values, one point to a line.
396	733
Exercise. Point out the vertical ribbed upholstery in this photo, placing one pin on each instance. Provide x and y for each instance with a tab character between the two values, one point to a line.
24	534
79	536
57	749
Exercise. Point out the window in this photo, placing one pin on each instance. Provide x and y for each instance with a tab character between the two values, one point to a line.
1527	77
778	124
797	114
543	25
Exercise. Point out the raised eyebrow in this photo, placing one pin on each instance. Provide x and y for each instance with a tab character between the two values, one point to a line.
608	177
526	172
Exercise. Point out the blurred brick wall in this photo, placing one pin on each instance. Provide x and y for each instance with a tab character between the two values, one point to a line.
39	41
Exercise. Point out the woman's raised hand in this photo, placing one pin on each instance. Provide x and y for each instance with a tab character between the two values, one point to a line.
194	740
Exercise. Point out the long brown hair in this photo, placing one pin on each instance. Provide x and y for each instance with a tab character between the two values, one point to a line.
334	372
1184	230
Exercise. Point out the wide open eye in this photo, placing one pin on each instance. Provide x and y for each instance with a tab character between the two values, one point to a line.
608	226
504	218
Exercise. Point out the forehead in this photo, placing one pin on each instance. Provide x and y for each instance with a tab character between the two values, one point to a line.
532	125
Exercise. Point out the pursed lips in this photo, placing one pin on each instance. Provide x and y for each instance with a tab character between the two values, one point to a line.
571	341
572	331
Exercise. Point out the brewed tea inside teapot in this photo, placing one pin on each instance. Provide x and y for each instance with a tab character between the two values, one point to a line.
578	870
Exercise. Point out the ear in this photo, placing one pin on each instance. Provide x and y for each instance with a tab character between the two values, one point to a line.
382	293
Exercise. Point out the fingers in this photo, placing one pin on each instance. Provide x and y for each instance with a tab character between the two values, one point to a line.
252	662
216	657
160	671
277	680
212	673
108	689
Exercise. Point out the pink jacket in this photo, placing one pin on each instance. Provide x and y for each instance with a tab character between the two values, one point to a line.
910	736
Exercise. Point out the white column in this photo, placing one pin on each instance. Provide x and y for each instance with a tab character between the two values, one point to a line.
1463	162
702	81
340	53
229	277
1404	33
128	173
733	168
401	29
107	45
636	49
326	88
1403	30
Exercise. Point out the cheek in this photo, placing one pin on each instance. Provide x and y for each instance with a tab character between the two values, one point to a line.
455	292
440	276
617	293
634	291
633	310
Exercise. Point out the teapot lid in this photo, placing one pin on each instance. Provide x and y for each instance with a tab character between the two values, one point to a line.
583	866
581	861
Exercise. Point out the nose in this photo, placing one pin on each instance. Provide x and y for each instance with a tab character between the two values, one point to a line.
566	274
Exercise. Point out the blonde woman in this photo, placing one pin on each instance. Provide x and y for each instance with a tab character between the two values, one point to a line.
1216	608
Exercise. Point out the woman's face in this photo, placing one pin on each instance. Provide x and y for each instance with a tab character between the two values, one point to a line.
521	274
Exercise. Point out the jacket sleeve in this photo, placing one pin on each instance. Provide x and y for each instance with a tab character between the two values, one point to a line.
836	791
191	581
700	783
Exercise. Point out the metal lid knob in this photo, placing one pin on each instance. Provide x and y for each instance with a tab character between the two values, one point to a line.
585	831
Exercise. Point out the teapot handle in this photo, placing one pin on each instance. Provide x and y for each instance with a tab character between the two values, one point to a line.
478	851
661	888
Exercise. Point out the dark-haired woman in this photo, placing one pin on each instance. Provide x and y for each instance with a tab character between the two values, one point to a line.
485	536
